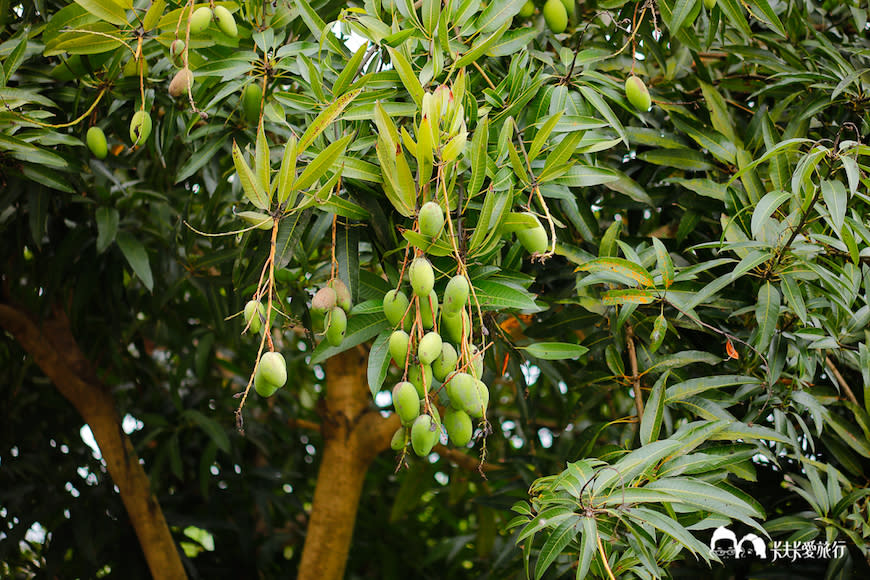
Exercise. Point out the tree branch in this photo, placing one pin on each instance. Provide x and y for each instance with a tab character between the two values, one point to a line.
840	380
53	347
635	378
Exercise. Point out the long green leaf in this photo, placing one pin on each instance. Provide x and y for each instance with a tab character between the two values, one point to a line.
137	257
324	161
325	118
250	183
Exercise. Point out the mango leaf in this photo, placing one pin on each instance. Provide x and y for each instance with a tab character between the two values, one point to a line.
692	387
324	162
664	262
109	10
137	257
836	200
767	313
211	428
556	542
555	350
325	119
406	75
435	247
631	296
653	412
250	184
479	48
765	208
619	266
495	295
107	227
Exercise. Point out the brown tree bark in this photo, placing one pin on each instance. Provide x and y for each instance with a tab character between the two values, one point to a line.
53	347
353	435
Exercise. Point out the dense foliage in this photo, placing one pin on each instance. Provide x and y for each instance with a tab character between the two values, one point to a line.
671	291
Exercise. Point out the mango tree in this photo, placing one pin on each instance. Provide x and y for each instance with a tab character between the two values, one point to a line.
604	264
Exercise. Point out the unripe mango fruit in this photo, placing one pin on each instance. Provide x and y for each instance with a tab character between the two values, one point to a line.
131	67
252	96
273	368
569	7
176	52
96	141
424	435
446	361
429	310
429	348
527	10
452	326
342	294
336	326
476	362
395	306
462	391
660	329
225	21
398	440
418	376
637	93
140	127
398	346
182	80
324	300
556	16
422	277
459	427
478	408
406	402
255	315
200	19
533	239
455	294
431	219
263	387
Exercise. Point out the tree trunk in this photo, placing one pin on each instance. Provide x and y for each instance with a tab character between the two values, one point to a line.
353	435
53	347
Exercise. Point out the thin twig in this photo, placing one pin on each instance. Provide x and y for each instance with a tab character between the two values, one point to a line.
635	378
840	380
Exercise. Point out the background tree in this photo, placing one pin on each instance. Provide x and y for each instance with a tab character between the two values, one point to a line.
668	283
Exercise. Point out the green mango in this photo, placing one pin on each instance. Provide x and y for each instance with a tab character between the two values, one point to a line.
446	362
422	277
429	310
430	219
462	391
273	368
96	141
452	326
418	377
255	315
225	21
429	348
252	96
263	387
398	346
456	294
459	427
336	326
637	93
342	294
424	435
200	19
556	16
395	306
400	438
406	402
140	127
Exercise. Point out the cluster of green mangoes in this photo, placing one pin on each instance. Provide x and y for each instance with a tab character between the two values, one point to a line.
329	309
271	372
431	343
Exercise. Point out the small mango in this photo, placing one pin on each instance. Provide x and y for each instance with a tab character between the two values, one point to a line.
182	81
252	96
527	10
556	16
176	52
429	310
336	326
324	300
273	368
459	427
255	315
200	19
424	435
263	387
96	141
456	294
342	294
429	348
406	402
430	219
421	378
446	362
140	127
422	277
533	239
225	21
398	346
399	439
395	307
637	93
